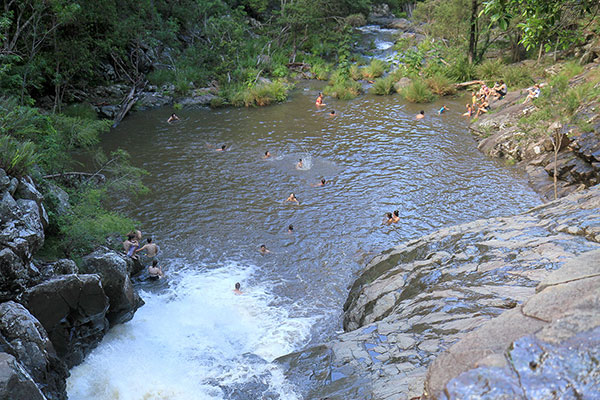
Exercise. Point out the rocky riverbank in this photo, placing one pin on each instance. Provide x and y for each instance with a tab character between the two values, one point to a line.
488	301
501	133
51	315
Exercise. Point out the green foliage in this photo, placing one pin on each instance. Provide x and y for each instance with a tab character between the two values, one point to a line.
375	69
321	70
81	110
384	86
461	70
88	223
417	92
517	77
572	68
355	72
341	86
17	158
490	70
160	77
440	85
260	95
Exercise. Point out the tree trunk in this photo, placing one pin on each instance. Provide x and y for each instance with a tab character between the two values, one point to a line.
473	31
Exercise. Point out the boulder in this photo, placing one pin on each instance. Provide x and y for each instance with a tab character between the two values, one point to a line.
12	187
148	100
72	309
65	267
26	339
402	83
4	180
14	275
27	190
115	270
399	23
62	203
15	382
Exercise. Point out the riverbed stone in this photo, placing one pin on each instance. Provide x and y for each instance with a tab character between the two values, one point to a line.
115	270
72	309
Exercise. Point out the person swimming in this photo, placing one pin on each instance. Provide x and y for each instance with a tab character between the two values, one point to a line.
263	249
223	148
267	154
420	115
321	183
155	271
237	289
291	228
389	219
442	110
396	216
173	118
299	164
292	198
319	101
332	113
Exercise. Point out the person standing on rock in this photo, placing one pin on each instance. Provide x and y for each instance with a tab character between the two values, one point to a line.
130	245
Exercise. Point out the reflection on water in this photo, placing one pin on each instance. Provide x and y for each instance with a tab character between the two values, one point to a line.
210	211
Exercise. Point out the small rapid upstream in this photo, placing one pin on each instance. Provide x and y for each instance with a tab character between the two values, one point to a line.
209	211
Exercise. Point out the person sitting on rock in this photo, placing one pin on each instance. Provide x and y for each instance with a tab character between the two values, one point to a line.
151	248
155	271
483	108
469	112
130	245
500	90
533	93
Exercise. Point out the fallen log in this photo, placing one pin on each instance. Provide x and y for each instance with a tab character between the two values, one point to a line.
467	84
129	101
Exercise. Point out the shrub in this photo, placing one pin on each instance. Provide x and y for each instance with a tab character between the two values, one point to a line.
441	85
375	69
517	77
341	86
80	110
572	68
384	86
17	158
260	95
461	70
490	70
159	77
355	72
321	71
417	92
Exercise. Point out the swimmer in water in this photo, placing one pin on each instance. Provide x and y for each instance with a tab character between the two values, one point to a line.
267	154
299	164
396	216
321	183
319	101
442	110
292	198
332	113
237	288
263	249
420	115
223	148
469	112
291	228
155	271
389	219
173	118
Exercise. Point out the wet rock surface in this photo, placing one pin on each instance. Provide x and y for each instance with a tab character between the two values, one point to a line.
419	299
546	348
15	382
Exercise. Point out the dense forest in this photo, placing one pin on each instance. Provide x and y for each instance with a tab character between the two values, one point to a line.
55	53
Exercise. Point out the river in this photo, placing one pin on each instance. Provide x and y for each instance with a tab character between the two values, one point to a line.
209	211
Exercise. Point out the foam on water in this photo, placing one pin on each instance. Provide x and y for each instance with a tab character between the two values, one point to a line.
196	340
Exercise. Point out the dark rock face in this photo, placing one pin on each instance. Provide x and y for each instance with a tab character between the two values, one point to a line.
420	298
72	309
114	270
25	338
15	382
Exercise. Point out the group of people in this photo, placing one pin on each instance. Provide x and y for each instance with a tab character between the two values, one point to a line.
392	218
319	103
480	100
132	247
